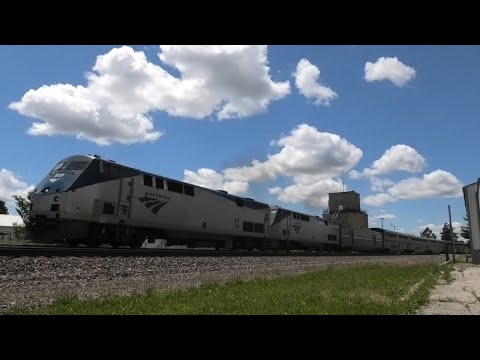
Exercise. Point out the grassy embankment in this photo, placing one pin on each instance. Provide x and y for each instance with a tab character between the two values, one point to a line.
373	289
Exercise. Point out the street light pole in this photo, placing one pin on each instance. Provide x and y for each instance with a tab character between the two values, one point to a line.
451	234
382	222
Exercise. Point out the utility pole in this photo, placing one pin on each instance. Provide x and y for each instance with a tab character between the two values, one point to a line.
382	222
393	226
451	234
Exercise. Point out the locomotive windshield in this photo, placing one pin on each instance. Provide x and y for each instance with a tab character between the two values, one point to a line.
65	166
63	175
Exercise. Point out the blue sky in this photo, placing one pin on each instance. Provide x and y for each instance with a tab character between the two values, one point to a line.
280	124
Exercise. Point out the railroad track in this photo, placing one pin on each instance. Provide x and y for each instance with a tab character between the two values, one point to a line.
62	251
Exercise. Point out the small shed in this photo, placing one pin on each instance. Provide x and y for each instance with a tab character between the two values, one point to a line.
6	226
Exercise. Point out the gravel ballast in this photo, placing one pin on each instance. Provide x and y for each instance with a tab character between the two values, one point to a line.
29	282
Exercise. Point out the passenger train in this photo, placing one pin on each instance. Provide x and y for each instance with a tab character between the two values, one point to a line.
88	200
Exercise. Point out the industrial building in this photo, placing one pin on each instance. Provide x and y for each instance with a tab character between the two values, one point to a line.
344	208
472	204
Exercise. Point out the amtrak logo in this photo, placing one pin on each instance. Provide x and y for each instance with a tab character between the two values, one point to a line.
153	204
297	228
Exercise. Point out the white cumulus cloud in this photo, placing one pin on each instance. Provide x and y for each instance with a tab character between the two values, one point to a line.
124	87
438	183
378	199
306	79
311	159
354	174
12	185
307	154
315	194
387	68
209	178
379	184
397	158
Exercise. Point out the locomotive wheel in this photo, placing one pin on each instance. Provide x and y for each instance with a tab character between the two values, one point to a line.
136	244
93	242
137	241
96	235
73	242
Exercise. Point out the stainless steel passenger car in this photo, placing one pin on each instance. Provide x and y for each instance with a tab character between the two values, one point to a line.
293	230
400	243
358	239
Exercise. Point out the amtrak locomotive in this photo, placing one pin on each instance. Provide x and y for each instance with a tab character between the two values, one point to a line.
92	201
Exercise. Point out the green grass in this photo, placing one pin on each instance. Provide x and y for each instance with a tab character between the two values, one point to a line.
373	289
6	241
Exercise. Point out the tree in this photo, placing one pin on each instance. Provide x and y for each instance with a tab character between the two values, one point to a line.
23	207
3	208
428	233
465	230
19	231
445	234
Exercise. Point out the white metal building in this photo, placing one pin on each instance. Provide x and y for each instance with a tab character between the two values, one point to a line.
6	226
472	204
